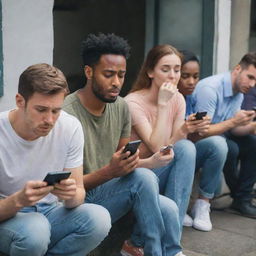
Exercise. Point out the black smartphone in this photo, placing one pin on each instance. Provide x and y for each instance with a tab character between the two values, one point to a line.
55	177
200	115
165	149
132	146
254	108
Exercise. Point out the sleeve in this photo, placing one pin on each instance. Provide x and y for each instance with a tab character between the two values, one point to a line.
206	100
180	113
75	149
138	114
126	116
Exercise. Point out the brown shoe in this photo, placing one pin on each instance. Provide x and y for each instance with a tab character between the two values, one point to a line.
129	250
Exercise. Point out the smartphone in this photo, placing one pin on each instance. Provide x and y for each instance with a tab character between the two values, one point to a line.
55	177
200	115
166	149
132	146
254	108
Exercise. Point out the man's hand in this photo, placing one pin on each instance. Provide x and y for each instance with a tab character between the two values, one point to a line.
166	91
122	164
32	193
243	117
65	190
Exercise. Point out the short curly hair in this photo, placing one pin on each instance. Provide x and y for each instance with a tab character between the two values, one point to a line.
94	46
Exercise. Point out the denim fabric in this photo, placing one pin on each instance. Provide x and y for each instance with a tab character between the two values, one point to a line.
156	216
53	230
176	178
241	181
211	154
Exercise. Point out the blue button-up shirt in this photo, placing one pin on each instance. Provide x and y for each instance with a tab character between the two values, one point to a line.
215	95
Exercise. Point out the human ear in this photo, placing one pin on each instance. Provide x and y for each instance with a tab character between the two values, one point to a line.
20	101
88	71
150	74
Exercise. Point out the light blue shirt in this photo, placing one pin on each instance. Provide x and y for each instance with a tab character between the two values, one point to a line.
215	95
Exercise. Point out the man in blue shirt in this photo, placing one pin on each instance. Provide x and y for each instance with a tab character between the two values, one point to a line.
221	96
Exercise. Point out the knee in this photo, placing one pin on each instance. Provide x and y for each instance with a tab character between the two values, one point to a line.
96	221
143	179
185	148
34	237
169	209
218	145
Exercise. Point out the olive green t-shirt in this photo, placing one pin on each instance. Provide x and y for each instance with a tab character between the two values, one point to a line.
101	133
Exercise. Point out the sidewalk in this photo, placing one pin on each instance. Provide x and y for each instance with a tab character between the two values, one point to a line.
232	235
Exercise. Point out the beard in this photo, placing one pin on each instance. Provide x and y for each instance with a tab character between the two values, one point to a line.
100	93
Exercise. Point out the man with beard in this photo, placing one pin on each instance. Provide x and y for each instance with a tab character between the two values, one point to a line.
221	96
112	178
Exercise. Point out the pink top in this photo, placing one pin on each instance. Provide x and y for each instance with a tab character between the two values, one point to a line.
144	111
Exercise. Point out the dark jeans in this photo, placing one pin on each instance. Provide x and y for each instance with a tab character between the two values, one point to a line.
241	181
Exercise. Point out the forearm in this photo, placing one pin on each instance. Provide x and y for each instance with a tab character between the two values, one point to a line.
244	130
157	137
220	128
9	207
146	163
77	199
97	178
179	134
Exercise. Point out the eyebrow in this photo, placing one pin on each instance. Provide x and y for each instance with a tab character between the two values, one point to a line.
41	106
167	65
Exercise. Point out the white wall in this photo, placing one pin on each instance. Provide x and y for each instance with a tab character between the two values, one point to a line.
221	54
27	30
240	30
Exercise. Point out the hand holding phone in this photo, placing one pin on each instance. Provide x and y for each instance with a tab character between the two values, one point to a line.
200	115
166	149
132	146
55	177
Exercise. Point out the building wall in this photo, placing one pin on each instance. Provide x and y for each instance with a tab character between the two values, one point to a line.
27	32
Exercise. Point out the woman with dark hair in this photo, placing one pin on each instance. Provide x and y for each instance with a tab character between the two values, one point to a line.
158	111
211	152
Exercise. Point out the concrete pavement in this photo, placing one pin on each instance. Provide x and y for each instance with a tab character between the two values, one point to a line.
232	235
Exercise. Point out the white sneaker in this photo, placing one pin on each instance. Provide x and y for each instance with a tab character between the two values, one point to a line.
201	214
187	221
179	254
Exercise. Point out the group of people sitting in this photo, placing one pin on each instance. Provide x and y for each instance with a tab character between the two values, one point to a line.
200	122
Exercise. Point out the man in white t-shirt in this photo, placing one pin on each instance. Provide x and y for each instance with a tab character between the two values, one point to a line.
36	138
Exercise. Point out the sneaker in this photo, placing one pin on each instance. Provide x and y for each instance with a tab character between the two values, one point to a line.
179	254
201	214
187	221
129	250
244	207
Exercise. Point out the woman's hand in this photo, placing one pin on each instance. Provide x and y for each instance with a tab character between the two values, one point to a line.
166	92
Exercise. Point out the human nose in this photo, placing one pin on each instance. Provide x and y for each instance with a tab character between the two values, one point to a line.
191	81
49	118
171	74
116	81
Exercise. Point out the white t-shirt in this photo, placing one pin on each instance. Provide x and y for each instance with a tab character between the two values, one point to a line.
22	160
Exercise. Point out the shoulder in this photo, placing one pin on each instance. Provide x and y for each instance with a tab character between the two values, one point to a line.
67	122
212	82
70	102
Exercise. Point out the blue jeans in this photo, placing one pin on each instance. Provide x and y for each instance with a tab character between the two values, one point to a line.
241	181
156	216
54	230
176	178
211	154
